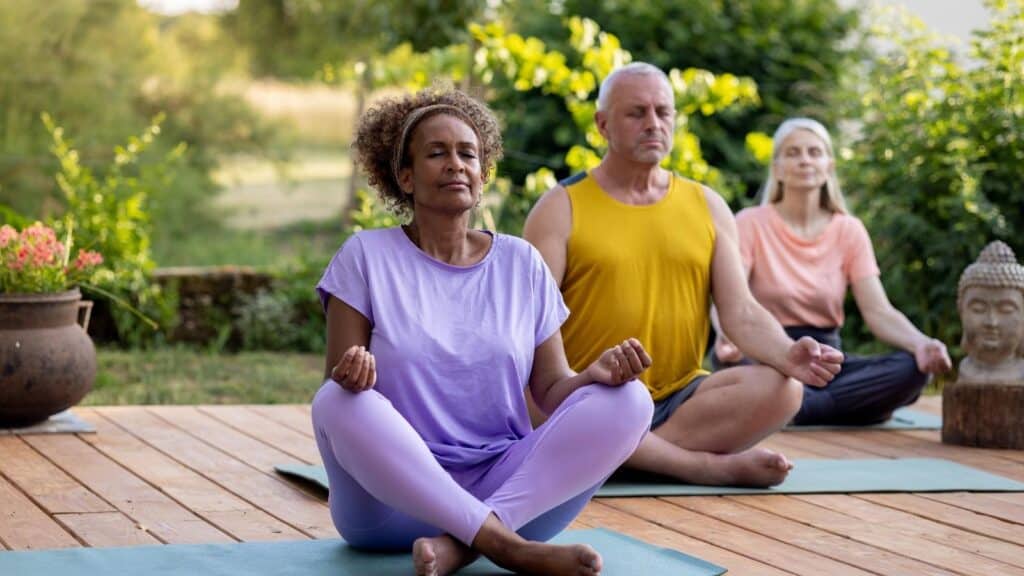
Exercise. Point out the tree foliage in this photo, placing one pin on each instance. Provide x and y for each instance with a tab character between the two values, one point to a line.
511	71
294	38
938	157
63	57
526	65
795	51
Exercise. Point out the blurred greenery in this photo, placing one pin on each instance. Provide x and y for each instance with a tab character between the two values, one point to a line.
107	215
102	88
294	39
794	51
141	119
936	161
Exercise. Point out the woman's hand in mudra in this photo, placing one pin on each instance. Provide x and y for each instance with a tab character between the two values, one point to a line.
620	364
356	371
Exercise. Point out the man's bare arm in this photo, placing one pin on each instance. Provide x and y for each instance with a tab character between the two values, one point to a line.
548	227
747	323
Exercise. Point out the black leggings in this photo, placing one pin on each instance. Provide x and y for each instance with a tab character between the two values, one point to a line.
866	391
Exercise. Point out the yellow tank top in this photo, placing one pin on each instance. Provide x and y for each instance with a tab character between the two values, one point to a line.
640	271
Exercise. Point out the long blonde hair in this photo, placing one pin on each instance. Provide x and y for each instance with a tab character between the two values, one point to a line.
831	195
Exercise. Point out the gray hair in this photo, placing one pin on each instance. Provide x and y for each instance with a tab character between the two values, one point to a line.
831	195
631	69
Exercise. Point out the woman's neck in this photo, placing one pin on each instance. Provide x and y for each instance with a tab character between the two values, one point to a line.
447	239
802	212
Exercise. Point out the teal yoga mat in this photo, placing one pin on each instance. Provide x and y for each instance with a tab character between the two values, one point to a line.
835	477
902	419
622	555
807	477
314	475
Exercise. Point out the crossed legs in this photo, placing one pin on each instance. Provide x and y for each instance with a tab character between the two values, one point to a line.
709	438
387	490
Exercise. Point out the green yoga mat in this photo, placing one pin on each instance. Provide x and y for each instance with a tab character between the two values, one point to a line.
622	555
313	475
807	477
835	477
902	419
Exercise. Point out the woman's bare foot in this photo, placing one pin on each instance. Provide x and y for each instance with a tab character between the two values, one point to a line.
756	467
541	559
440	555
510	551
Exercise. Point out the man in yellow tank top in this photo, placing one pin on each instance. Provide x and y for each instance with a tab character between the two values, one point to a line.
641	252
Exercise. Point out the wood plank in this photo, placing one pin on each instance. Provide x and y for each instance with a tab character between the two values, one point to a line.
1016	498
165	519
950	516
25	526
238	519
100	529
812	539
599	513
988	504
47	485
896	445
285	415
935	436
910	524
712	530
878	534
995	458
778	443
267	431
223	437
816	446
275	496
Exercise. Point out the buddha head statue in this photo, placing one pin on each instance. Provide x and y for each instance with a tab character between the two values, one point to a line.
990	300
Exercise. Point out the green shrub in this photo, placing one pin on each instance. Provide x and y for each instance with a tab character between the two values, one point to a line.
795	52
288	316
62	57
937	161
108	214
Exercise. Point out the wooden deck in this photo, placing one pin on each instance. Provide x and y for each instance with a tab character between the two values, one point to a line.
189	474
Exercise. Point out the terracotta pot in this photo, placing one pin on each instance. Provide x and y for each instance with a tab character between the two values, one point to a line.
47	361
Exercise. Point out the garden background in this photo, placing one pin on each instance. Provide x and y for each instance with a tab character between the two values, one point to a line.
221	139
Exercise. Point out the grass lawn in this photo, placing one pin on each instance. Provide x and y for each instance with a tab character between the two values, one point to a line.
189	376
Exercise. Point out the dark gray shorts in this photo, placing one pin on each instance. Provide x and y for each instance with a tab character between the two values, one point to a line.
666	406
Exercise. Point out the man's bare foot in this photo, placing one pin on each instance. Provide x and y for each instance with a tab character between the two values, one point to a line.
440	555
541	559
756	467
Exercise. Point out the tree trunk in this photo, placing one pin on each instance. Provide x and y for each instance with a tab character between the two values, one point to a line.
363	90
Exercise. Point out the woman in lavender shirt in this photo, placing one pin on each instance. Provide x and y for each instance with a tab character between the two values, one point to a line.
434	332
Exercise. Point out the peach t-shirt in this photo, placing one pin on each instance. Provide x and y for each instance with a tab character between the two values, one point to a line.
803	282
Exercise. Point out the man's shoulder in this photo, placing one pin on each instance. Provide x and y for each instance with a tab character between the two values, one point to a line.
551	214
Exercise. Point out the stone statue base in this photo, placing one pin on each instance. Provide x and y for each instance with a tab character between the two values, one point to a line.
983	414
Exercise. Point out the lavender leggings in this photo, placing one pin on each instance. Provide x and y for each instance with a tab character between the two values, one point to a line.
386	488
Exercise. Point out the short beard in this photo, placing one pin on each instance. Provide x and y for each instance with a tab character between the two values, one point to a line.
650	157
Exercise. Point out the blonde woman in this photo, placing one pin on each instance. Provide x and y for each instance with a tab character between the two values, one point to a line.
802	249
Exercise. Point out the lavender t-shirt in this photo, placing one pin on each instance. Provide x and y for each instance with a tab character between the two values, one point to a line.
454	345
